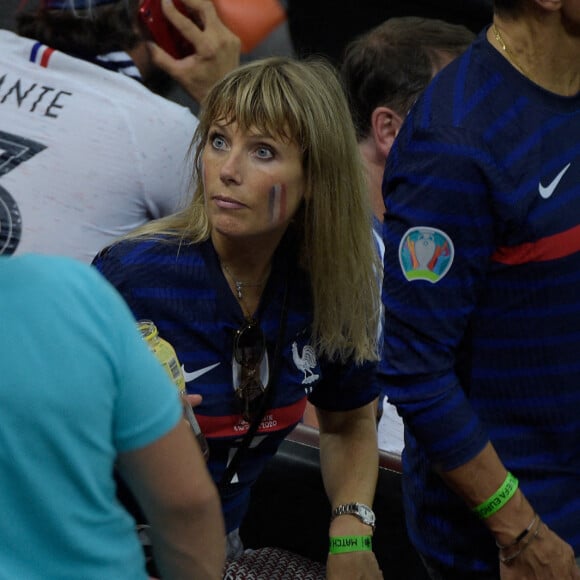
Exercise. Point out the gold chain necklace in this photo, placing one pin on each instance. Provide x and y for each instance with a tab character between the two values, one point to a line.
510	55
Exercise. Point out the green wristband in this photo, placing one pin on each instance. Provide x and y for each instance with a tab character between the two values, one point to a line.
505	492
345	544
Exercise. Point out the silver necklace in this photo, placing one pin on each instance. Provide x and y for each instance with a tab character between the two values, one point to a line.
241	285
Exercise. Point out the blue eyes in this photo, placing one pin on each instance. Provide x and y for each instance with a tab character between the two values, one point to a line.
264	153
218	142
261	151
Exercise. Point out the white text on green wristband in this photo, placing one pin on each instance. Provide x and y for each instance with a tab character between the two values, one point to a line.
345	544
505	492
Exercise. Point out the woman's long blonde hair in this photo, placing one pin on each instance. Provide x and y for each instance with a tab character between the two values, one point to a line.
303	101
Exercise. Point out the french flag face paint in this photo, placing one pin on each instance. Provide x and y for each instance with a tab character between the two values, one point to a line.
277	203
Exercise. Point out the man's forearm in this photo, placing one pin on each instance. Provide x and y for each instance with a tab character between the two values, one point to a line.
477	480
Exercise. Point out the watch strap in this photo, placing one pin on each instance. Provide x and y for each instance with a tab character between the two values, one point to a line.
359	510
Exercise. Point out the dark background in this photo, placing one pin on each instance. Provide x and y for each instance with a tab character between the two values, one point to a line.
325	26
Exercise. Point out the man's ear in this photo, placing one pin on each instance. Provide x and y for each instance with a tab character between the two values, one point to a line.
385	125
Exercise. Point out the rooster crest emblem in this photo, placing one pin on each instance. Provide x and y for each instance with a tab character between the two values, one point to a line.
305	362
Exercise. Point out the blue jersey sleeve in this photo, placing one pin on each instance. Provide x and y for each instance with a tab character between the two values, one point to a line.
345	386
438	236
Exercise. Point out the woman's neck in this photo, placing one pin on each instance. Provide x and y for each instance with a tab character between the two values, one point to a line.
246	267
248	260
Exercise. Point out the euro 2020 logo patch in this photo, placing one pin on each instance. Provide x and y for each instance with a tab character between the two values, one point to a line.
425	254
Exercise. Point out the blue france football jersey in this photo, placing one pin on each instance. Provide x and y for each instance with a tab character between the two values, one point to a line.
182	289
482	270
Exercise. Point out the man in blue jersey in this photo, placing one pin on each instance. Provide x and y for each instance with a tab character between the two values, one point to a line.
482	310
80	395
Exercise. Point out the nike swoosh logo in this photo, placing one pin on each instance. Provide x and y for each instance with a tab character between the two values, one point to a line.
547	191
196	374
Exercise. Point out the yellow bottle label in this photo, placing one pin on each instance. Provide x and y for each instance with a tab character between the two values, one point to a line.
167	357
164	353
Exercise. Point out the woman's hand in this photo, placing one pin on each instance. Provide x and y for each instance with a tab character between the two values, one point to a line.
353	566
194	400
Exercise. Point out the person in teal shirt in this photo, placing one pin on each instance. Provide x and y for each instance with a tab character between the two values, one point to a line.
80	393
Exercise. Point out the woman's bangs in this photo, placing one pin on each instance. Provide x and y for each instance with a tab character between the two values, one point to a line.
262	106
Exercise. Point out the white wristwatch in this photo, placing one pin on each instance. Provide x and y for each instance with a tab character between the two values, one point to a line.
359	510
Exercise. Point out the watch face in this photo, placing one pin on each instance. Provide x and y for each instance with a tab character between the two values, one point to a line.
366	513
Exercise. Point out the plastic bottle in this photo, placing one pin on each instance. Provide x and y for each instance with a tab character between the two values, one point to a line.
166	355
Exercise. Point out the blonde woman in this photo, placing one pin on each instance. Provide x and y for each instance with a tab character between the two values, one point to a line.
266	285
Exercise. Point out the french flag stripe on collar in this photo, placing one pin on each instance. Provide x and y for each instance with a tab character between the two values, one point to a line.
41	54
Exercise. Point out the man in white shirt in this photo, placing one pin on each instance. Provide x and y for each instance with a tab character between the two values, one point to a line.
87	151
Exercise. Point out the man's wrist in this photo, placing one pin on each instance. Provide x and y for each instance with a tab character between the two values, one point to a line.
507	523
499	499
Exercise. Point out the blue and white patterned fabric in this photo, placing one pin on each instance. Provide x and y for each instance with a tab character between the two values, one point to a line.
182	289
